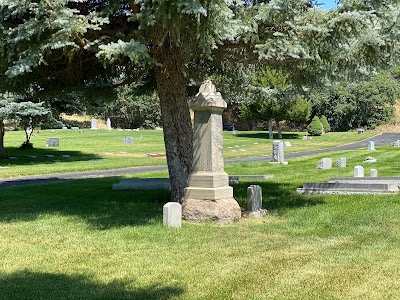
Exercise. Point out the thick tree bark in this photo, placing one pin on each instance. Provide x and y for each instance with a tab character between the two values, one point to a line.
178	132
2	150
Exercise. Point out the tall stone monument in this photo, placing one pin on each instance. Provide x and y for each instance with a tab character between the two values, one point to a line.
208	195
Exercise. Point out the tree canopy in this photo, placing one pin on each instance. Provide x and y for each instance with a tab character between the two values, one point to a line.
52	45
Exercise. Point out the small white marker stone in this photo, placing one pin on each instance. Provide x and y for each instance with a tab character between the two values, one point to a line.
172	215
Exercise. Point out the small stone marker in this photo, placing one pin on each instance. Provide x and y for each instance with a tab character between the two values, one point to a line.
108	124
74	128
288	144
373	173
66	156
234	132
64	128
278	152
32	156
13	158
128	140
325	163
93	124
52	142
398	143
50	156
172	215
305	138
358	171
360	131
254	202
371	145
341	163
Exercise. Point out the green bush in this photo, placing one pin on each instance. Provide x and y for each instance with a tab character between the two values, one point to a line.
315	127
325	124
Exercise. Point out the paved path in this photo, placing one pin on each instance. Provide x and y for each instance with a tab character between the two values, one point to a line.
382	139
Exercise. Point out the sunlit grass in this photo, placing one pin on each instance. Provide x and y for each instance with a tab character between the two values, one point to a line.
82	240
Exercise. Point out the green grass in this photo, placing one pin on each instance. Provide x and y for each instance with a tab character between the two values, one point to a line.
82	240
100	149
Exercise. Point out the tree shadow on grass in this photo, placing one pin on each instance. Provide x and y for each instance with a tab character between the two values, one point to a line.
43	286
277	196
91	200
265	135
40	156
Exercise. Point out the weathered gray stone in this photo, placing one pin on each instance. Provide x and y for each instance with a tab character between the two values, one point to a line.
278	152
371	145
373	173
254	202
128	140
208	195
341	163
358	171
172	215
325	163
52	142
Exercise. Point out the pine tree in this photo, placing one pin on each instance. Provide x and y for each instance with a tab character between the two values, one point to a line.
50	44
315	127
325	124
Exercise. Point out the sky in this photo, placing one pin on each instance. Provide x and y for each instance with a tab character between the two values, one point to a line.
328	4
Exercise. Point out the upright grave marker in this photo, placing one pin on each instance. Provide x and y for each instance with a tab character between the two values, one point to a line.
172	215
341	163
93	124
325	163
254	202
52	142
371	145
358	171
278	152
128	140
108	124
208	195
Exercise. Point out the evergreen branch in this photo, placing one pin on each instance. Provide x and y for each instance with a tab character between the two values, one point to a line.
134	78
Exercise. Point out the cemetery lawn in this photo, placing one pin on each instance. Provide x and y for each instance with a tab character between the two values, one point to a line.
82	240
101	149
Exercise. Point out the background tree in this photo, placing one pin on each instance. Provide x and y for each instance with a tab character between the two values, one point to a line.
52	43
315	127
325	124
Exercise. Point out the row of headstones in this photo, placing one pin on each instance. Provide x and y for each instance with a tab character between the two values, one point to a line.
93	124
359	172
172	211
34	156
326	163
55	142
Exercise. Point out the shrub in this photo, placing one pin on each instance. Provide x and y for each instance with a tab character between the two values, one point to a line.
325	124
315	127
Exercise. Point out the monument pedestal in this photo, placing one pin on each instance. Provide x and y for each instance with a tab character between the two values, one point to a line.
208	195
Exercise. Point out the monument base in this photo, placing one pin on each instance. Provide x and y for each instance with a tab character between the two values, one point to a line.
221	210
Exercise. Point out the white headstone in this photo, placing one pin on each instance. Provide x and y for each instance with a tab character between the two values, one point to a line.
305	138
254	198
371	145
288	144
108	124
325	163
358	171
93	124
172	215
64	128
341	163
398	143
278	152
373	173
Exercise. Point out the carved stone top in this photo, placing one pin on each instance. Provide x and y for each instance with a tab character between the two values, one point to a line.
207	98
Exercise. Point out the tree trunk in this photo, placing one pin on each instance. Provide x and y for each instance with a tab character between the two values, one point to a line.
279	130
2	150
178	132
270	133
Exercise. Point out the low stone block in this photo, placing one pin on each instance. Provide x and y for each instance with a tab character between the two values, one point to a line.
325	163
341	163
358	171
373	173
209	193
172	215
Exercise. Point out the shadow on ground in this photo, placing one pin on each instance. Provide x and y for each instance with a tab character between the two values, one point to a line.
43	286
265	135
277	196
39	156
91	200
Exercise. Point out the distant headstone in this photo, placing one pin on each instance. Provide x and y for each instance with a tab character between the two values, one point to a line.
371	145
234	132
13	158
64	128
74	128
66	156
50	156
278	153
254	202
305	138
358	171
288	144
93	124
128	140
398	143
360	131
120	129
341	163
52	142
172	215
373	173
108	124
325	163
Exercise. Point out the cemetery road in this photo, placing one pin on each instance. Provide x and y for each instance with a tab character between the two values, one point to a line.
379	140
